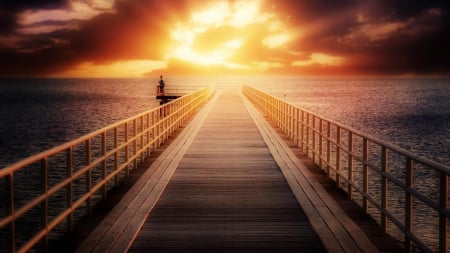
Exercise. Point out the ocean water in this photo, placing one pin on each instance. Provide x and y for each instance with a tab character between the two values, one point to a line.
38	114
411	113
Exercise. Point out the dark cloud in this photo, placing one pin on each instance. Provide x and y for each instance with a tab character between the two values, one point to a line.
136	30
359	31
14	5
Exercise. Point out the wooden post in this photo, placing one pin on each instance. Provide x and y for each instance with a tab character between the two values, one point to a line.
320	143
328	148
408	203
443	220
384	187
88	177
103	146
116	157
338	156
69	189
44	204
365	173
350	166
10	211
313	139
127	147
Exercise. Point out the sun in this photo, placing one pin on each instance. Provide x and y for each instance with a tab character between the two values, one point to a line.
238	15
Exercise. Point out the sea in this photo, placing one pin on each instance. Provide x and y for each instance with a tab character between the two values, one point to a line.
38	114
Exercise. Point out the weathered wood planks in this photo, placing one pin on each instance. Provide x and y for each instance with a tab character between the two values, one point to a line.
227	194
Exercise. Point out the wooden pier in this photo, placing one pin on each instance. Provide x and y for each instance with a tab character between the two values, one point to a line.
228	183
245	172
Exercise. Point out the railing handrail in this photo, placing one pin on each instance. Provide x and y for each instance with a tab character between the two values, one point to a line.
323	142
125	148
441	167
37	157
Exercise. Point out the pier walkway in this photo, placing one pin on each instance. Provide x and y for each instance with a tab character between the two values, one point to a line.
227	183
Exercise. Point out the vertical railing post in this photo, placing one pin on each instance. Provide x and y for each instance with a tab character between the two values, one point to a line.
314	139
69	193
443	220
44	204
384	188
328	149
409	203
127	149
365	173
141	132
307	135
88	177
134	144
10	211
291	122
302	138
350	165
103	147
296	127
320	143
116	156
148	134
338	156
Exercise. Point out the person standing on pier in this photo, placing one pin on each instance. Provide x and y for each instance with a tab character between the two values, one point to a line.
161	85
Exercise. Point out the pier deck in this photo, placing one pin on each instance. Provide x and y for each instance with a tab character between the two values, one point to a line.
227	183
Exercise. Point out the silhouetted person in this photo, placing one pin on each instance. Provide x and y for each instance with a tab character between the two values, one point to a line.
161	84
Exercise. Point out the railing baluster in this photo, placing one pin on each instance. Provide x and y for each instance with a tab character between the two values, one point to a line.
69	193
320	143
350	166
103	147
116	156
141	132
314	139
302	139
296	126
328	148
44	204
307	135
127	149
408	203
365	172
338	156
134	144
88	176
10	211
443	220
384	188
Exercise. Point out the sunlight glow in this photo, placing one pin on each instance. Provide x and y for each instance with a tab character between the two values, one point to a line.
320	59
116	69
275	40
238	14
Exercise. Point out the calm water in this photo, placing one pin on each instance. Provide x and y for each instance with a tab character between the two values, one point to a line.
412	113
37	114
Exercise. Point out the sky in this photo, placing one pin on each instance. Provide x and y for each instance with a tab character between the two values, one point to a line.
139	38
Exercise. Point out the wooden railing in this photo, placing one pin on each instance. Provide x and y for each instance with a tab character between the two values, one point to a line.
54	185
405	193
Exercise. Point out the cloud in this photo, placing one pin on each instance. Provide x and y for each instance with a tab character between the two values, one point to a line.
50	38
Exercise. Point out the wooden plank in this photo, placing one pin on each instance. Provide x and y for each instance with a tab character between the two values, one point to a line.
227	194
